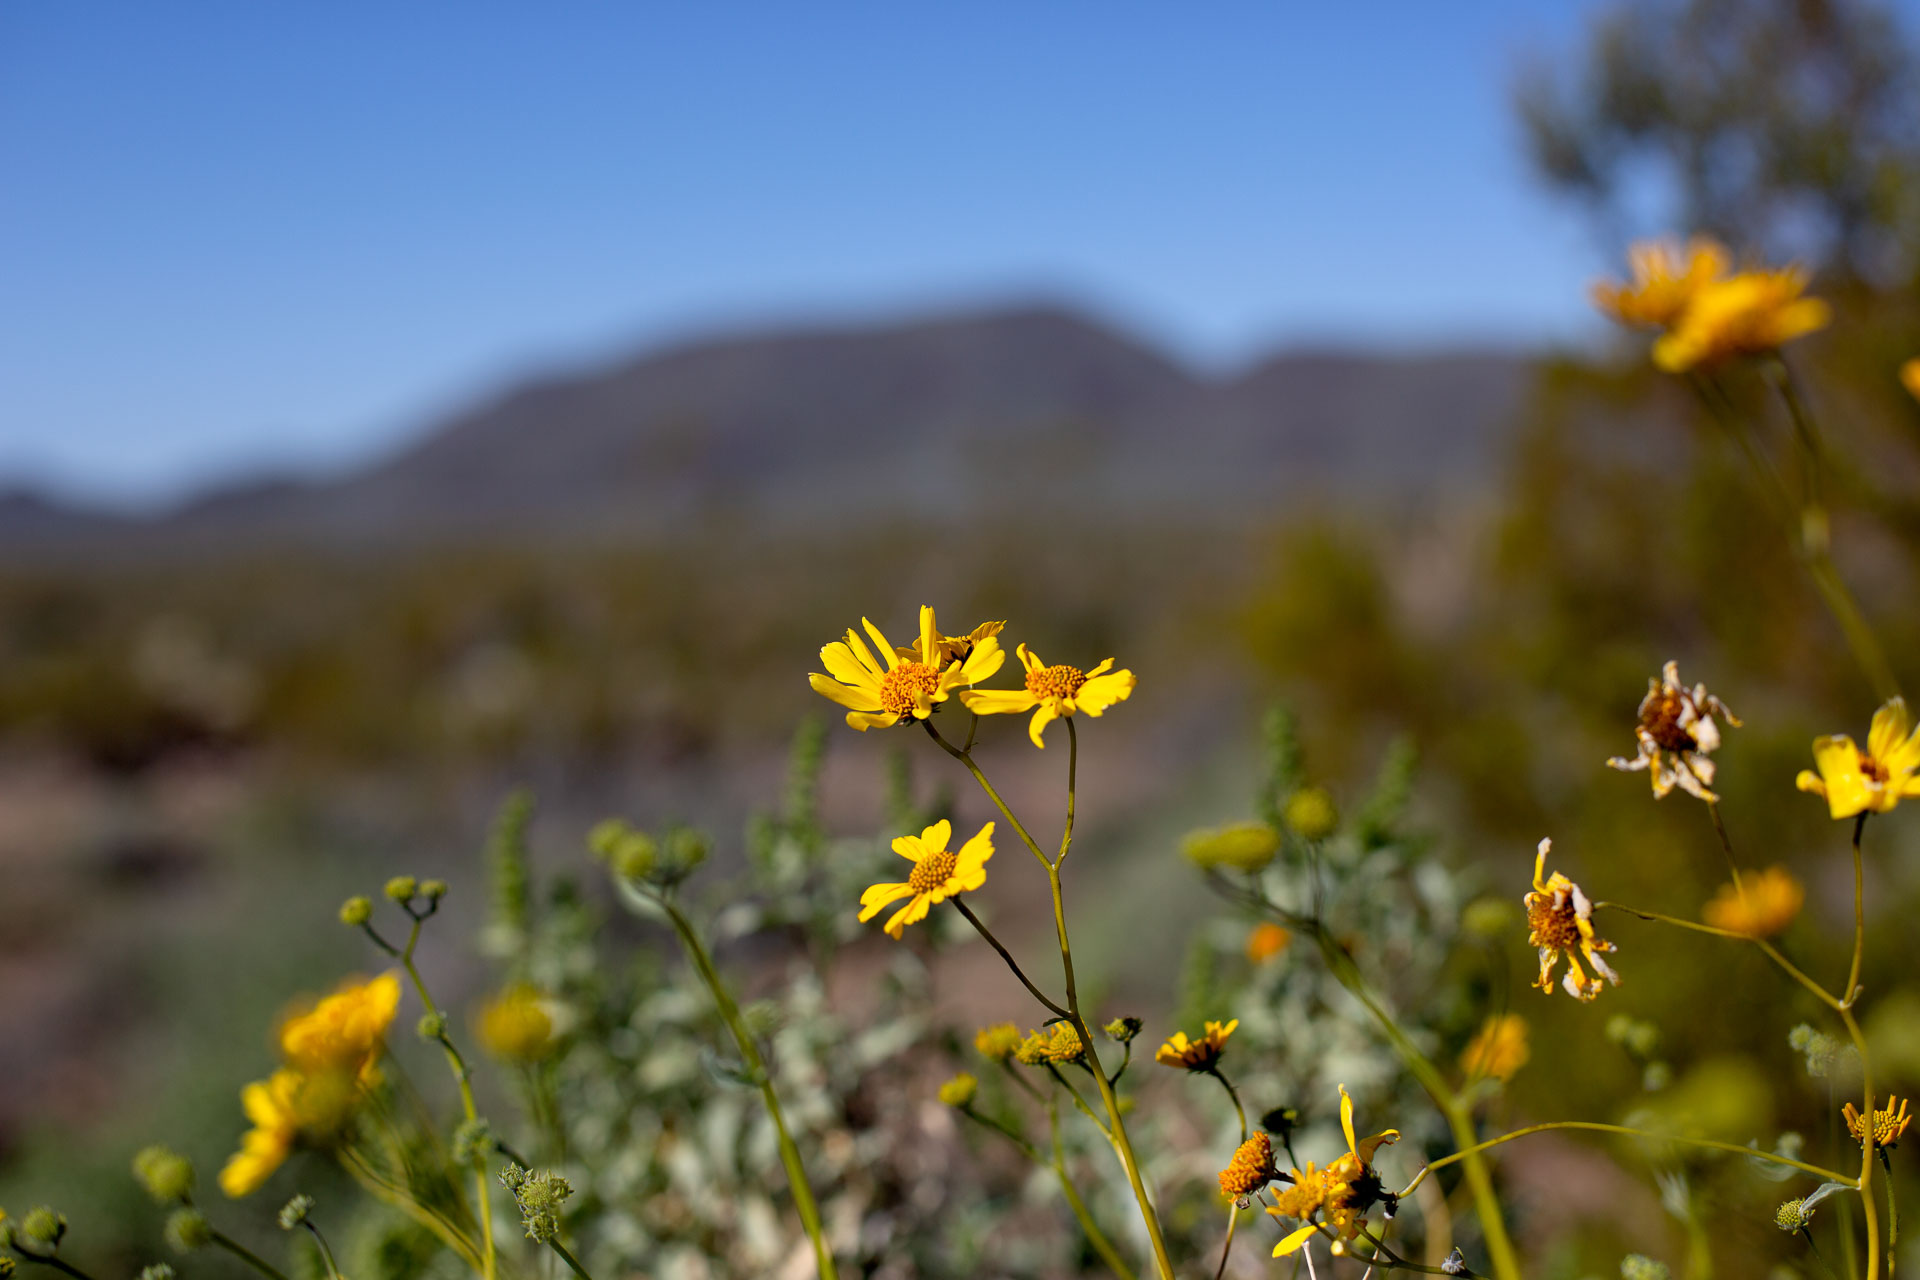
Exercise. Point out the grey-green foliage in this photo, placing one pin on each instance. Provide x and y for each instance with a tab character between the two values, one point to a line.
509	873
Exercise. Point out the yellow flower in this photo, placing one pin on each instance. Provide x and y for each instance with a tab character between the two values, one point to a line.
1341	1194
1267	941
1761	905
959	1091
938	874
1199	1054
516	1025
914	680
960	648
1311	813
1251	1168
1889	1123
1560	922
287	1107
346	1030
1053	692
1666	278
1499	1048
1676	734
1057	1043
997	1042
1751	313
1870	781
1910	377
1243	846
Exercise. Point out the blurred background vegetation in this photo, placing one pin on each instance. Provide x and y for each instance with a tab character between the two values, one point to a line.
207	741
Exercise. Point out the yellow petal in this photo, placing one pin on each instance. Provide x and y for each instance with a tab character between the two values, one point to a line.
1808	780
1346	1119
935	837
853	699
987	658
1096	695
909	847
886	649
878	896
994	702
914	912
858	648
974	853
1368	1146
864	721
1045	715
1294	1240
1029	659
843	666
927	633
1889	729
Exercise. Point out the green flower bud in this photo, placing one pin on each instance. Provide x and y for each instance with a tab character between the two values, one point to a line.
188	1230
1794	1215
1123	1030
402	889
166	1174
432	1026
1637	1266
154	1271
356	911
294	1212
685	850
959	1091
433	890
472	1141
629	854
1238	846
539	1196
1310	814
43	1228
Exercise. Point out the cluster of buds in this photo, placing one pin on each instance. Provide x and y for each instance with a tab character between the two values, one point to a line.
635	856
539	1196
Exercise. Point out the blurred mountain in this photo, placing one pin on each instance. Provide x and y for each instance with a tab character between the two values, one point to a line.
1034	410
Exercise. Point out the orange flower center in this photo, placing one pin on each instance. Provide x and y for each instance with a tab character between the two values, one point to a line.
900	688
1057	681
1872	769
1552	926
1662	722
932	871
1250	1169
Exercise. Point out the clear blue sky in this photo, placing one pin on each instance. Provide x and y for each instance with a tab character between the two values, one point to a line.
247	234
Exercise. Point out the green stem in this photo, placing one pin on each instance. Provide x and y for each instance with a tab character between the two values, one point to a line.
1709	1143
247	1255
1392	1261
1226	1247
1893	1213
399	1198
803	1200
54	1261
1726	844
980	926
1234	1094
572	1262
326	1251
1859	915
966	758
1773	953
1869	1207
1095	1237
464	1078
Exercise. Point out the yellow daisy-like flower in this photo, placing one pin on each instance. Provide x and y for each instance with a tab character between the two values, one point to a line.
345	1031
1676	734
1053	692
960	648
959	1091
517	1025
285	1109
1267	941
1666	278
1761	905
914	680
1251	1168
938	874
1198	1054
1910	377
1889	1123
1057	1043
997	1042
1560	922
1340	1194
1498	1049
1748	314
1870	781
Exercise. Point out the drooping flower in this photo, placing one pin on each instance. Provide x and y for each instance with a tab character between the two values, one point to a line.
517	1025
1560	923
1338	1196
913	680
288	1107
1676	734
344	1031
1871	781
1666	278
1498	1049
1251	1168
997	1042
1749	314
938	874
1057	1043
1267	941
1762	904
1052	692
1889	1123
1200	1053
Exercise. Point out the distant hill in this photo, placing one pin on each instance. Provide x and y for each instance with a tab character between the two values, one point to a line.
943	419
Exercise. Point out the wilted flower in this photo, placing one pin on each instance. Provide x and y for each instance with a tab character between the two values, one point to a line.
1889	1123
1676	734
997	1042
1499	1048
516	1025
1560	923
959	1091
1871	781
1200	1053
913	680
1053	692
938	874
1762	904
1666	278
1340	1194
1250	1169
1267	941
1752	313
1241	846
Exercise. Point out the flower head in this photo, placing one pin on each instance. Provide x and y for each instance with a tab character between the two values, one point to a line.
959	1091
1251	1168
914	679
285	1109
1339	1195
1748	314
1889	1123
960	648
938	874
997	1042
517	1025
1560	922
1676	734
1870	781
1267	941
1238	846
1498	1049
1200	1053
344	1031
1793	1215
1666	279
1052	692
1056	1043
1762	904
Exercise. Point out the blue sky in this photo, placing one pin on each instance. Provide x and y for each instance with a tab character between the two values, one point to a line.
244	235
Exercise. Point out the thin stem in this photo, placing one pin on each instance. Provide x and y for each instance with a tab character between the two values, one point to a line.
1869	1208
1531	1129
571	1261
54	1261
399	1198
1073	770
1726	844
1824	1268
1026	1148
326	1251
1773	953
1859	914
1079	1101
1226	1248
980	925
1126	1060
464	1078
1393	1261
1234	1094
1095	1237
965	758
1893	1213
246	1255
803	1200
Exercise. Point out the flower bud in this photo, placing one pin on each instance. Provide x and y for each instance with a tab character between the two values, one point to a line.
295	1212
997	1043
432	1026
1310	814
165	1173
1638	1266
433	890
153	1271
188	1230
356	911
1238	846
629	854
685	850
43	1229
539	1196
959	1091
1123	1030
402	889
